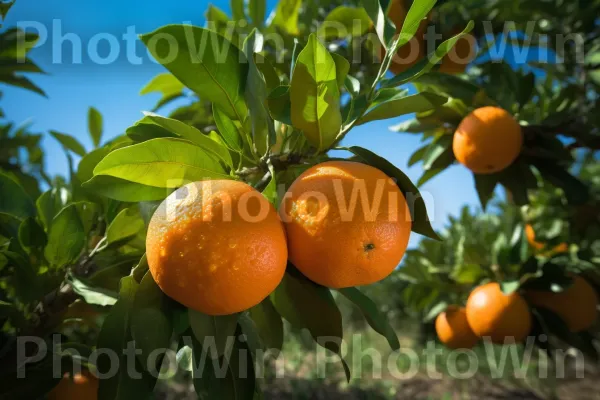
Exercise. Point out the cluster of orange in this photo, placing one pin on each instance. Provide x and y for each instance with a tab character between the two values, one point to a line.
489	313
219	247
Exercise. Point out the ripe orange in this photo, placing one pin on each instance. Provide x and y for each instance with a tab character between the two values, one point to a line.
76	387
487	140
347	224
453	329
463	52
530	234
492	313
414	50
217	247
577	305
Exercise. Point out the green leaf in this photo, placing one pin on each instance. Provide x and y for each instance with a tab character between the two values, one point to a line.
22	82
5	7
376	9
286	16
435	311
343	21
257	10
125	225
123	190
237	9
31	235
315	97
93	294
452	85
228	130
66	237
416	204
269	324
188	132
14	201
509	287
396	107
165	162
50	203
269	73
214	332
304	304
439	147
167	85
69	143
485	185
150	324
426	64
418	12
467	273
417	155
377	320
352	85
95	125
140	270
575	191
263	130
114	336
215	76
270	191
85	168
342	66
280	104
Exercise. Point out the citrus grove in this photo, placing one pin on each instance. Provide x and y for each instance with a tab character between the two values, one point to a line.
237	215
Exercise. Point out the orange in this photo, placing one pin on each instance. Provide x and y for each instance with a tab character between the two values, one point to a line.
76	387
453	329
530	234
217	247
576	305
487	140
457	59
347	224
414	50
492	313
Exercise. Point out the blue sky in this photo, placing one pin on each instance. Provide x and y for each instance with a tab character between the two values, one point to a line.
114	88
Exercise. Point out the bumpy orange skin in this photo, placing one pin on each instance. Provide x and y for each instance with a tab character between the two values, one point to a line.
487	140
463	52
493	314
80	386
335	244
217	247
413	51
577	305
453	329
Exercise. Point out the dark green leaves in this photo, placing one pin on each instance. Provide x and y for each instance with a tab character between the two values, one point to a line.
115	335
13	199
268	323
66	237
205	62
307	305
263	131
188	132
374	317
162	163
167	85
376	10
125	225
69	143
257	10
315	96
416	204
95	125
485	185
228	129
213	332
343	21
150	323
395	107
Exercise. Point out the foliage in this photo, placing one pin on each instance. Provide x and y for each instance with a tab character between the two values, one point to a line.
263	114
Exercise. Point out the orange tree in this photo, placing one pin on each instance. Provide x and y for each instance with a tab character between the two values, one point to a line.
92	258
